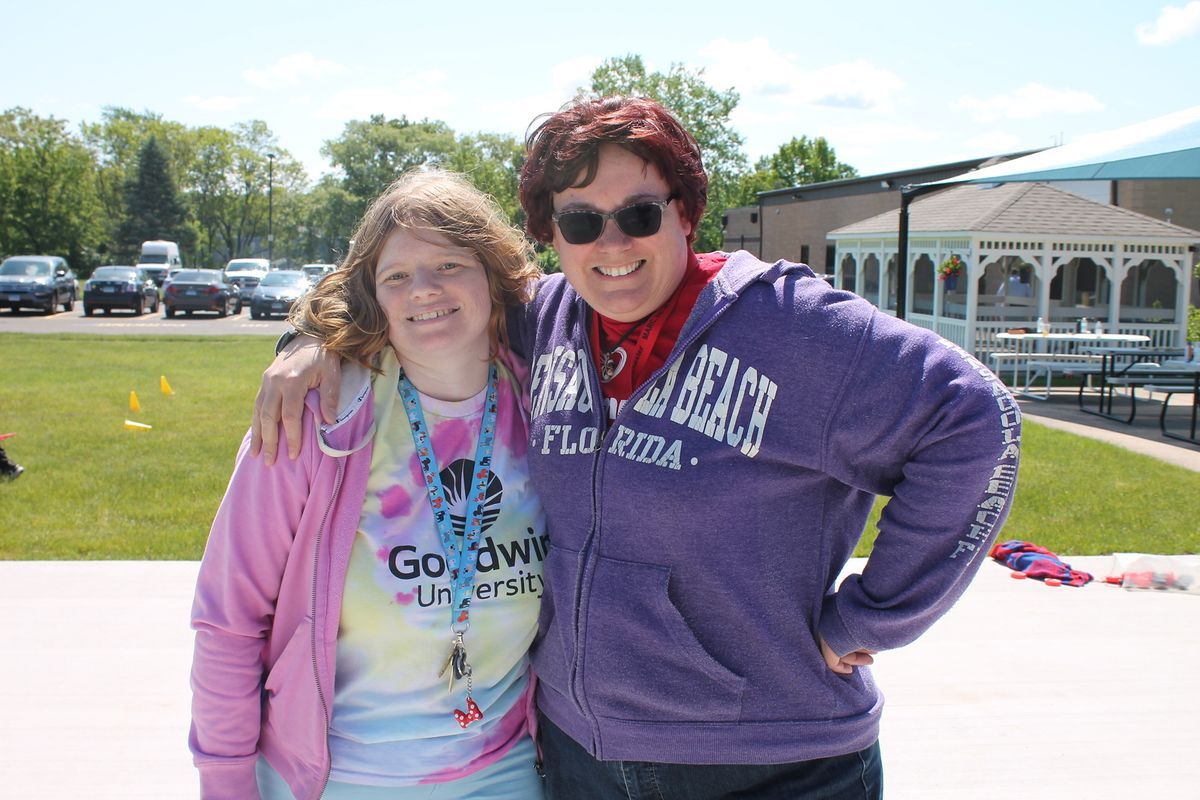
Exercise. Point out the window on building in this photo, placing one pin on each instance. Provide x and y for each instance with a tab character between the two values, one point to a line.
753	217
803	254
830	255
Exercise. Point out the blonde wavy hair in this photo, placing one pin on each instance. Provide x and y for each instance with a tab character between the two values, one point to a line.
343	310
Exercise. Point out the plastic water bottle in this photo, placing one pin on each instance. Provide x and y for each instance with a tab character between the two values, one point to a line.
1083	324
1041	325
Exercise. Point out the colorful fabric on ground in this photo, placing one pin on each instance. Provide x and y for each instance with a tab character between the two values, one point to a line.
1038	562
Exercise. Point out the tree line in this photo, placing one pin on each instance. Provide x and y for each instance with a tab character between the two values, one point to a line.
94	194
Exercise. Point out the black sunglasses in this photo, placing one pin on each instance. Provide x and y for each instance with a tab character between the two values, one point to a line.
636	220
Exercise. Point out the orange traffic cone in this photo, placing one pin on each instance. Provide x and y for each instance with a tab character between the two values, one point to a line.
134	405
163	386
130	425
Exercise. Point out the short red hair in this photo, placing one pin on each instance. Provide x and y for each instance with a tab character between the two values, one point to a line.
563	151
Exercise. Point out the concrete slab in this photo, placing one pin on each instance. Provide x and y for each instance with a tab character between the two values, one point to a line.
94	679
1022	690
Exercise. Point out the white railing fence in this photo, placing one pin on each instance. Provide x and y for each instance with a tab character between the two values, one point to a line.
1162	335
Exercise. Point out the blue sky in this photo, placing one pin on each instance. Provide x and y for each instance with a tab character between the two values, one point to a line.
891	85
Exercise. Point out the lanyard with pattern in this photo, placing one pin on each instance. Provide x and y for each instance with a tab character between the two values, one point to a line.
460	558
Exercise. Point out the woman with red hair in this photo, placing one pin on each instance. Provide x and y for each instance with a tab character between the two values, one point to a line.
709	433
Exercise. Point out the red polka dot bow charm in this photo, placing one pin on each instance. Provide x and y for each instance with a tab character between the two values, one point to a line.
472	714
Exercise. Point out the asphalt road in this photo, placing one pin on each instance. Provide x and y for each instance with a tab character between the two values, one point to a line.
119	322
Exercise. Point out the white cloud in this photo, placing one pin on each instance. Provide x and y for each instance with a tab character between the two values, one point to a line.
416	97
878	146
514	115
1027	102
567	76
290	70
995	142
755	69
1173	23
879	133
218	102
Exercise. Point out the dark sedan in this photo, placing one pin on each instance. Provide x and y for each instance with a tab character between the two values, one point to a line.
43	282
277	291
120	287
200	290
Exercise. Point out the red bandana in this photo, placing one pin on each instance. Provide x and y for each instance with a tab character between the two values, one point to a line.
646	349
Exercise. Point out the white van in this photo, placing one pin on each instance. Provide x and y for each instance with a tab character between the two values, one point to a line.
158	258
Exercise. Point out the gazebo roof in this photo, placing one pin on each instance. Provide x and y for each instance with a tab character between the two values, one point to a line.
1017	208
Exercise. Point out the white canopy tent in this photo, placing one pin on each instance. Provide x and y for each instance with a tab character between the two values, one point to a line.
1163	148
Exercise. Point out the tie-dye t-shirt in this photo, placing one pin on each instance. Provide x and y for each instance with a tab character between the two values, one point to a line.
393	722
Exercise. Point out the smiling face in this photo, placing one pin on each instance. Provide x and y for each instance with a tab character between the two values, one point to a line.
622	277
435	296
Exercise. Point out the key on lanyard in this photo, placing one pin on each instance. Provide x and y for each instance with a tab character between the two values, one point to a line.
456	663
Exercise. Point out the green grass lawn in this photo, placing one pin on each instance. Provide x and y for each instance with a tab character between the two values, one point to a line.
1083	497
94	490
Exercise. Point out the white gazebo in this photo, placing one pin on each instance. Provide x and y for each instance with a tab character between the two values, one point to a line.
1030	251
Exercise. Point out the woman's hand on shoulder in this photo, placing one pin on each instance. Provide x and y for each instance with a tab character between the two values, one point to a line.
302	365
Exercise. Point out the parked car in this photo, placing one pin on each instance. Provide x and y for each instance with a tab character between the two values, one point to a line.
158	258
44	282
246	273
317	271
277	291
201	290
120	287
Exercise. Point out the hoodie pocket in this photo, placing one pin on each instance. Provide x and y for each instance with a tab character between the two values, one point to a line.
643	662
292	709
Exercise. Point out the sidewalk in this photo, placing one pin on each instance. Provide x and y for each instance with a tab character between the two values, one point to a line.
1023	690
1143	435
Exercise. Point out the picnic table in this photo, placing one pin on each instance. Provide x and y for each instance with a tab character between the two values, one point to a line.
1185	369
1033	355
1125	367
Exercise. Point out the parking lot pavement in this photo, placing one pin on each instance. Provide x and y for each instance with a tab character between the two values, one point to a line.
153	324
1022	690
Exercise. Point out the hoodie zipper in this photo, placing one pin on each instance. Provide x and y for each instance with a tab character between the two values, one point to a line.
584	584
337	488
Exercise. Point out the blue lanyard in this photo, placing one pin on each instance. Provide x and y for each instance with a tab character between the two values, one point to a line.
459	559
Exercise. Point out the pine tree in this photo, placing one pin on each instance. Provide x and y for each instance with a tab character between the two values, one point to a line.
153	209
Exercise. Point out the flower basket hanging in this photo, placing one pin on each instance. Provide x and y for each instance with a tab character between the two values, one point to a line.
948	272
952	267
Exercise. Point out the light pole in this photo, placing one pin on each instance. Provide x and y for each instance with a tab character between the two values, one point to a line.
271	209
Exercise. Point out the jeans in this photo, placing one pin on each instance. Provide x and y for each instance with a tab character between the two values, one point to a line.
572	774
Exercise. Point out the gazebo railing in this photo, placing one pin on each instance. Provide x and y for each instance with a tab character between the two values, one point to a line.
1162	335
950	329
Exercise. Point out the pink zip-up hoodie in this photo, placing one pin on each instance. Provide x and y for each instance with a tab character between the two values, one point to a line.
268	603
269	599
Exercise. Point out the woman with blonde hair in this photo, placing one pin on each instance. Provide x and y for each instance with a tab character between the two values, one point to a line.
363	613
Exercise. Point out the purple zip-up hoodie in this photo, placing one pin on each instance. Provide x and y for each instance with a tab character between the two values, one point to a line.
697	541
